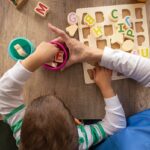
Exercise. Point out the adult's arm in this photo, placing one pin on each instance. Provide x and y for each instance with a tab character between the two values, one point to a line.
132	66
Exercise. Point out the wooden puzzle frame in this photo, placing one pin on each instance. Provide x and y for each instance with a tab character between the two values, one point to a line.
101	15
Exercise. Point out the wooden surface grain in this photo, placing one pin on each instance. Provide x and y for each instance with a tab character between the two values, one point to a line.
84	101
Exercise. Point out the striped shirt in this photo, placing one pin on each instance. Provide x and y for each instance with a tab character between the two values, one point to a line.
88	135
13	108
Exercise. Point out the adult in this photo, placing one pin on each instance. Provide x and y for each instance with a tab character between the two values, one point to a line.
137	135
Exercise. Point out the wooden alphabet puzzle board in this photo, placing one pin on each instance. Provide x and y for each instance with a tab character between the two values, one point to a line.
137	26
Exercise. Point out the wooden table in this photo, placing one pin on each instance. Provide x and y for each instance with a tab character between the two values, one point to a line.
84	101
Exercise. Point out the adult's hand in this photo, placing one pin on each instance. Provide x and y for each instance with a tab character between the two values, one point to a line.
78	51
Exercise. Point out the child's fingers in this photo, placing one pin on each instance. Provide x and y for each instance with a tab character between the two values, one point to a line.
109	71
59	32
77	121
97	68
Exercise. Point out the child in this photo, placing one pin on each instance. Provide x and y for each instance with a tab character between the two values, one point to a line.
46	123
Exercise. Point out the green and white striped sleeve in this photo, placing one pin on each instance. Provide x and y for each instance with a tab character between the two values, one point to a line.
90	135
113	121
15	119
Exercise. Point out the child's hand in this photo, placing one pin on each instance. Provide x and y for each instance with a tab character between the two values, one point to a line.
78	51
45	52
102	78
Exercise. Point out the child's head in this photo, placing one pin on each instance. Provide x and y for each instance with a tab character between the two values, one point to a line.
48	125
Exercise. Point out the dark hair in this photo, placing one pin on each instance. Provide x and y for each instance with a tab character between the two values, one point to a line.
48	125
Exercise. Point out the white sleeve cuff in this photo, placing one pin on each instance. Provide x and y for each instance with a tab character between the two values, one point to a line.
112	101
19	73
107	56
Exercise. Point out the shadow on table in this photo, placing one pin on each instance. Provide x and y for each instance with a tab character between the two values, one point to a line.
7	142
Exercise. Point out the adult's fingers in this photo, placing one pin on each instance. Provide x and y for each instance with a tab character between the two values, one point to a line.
59	32
59	39
68	64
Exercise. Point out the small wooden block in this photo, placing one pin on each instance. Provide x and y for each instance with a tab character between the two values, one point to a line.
20	50
114	16
144	52
52	64
117	38
14	2
59	57
17	46
129	33
90	73
97	31
41	9
128	45
18	3
89	20
71	30
128	21
72	18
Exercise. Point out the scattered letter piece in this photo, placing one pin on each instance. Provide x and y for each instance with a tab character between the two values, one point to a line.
72	18
128	45
117	38
71	30
97	31
128	21
129	34
89	20
114	16
41	9
59	58
144	52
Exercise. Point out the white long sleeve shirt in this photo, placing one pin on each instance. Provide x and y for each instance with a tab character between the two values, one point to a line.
132	66
13	108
